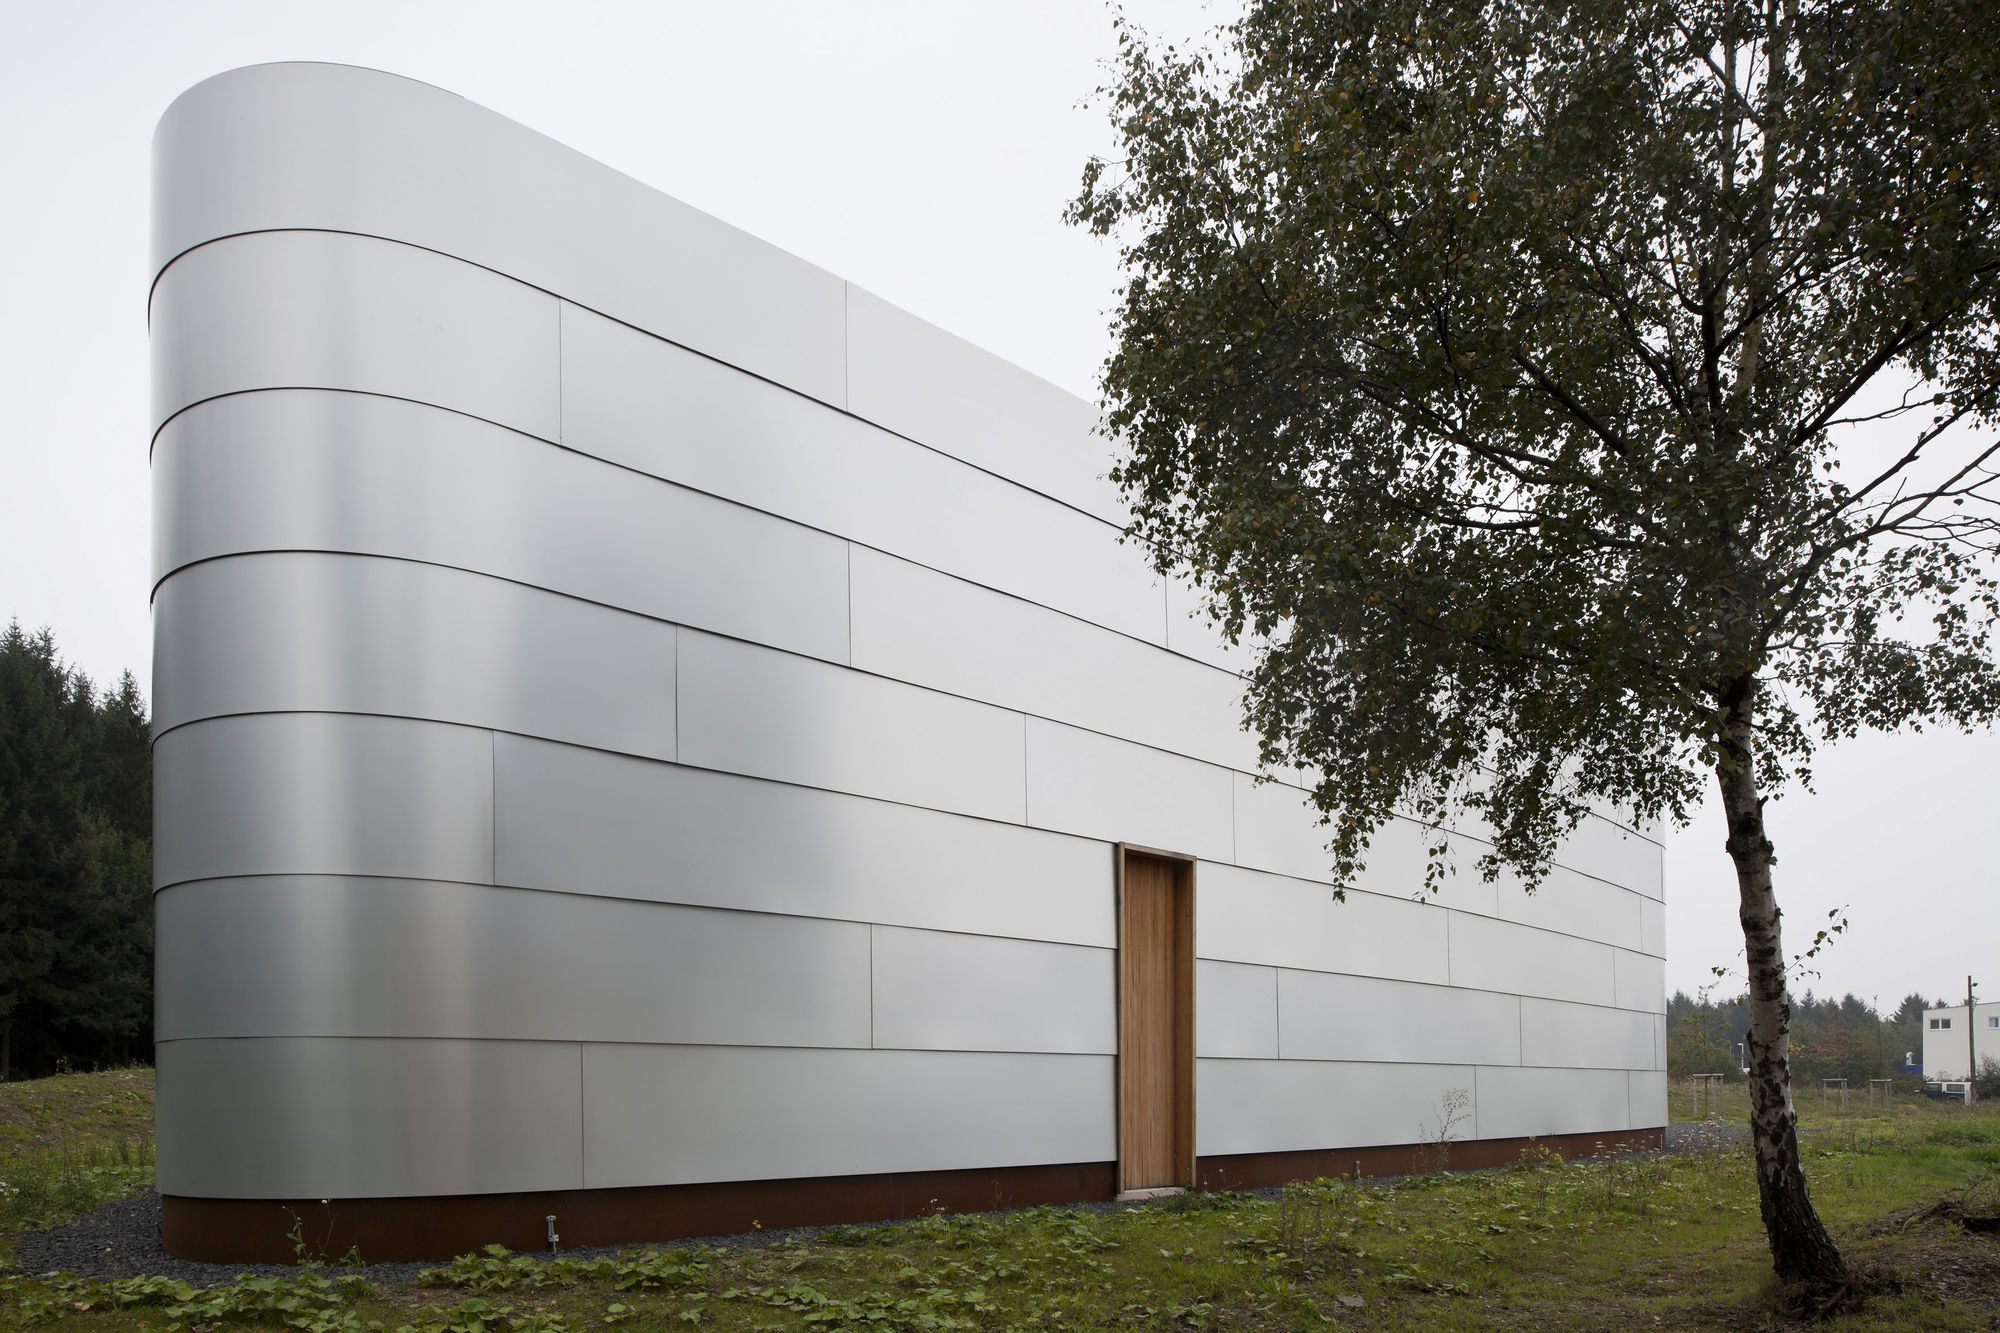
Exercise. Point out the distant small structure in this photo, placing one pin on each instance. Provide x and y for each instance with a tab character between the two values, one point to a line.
1945	1047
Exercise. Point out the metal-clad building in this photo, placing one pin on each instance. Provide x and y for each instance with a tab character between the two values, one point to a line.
650	734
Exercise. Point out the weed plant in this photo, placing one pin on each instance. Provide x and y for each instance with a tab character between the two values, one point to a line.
42	1189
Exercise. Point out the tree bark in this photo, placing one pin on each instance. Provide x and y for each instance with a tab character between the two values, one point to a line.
1802	1251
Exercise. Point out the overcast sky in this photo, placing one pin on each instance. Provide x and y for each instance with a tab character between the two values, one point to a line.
923	150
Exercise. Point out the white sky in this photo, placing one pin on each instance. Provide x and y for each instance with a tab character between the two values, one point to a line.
923	150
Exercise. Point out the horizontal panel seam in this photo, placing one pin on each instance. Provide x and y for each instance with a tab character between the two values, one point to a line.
841	409
1111	949
980	703
1392	1064
1545	930
683	1044
348	876
1433	985
561	1042
1107	1052
860	796
690	490
904	1050
1432	1064
1424	903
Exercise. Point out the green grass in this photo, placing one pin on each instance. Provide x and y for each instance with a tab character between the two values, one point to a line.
71	1144
1628	1243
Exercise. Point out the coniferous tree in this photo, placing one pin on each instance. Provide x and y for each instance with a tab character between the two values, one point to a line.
1907	1031
1698	1039
75	864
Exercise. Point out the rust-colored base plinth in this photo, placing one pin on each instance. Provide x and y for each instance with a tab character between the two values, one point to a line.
260	1231
438	1227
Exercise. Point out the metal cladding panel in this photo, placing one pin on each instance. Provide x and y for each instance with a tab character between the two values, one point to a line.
1659	1041
1328	1016
1622	817
1289	1105
293	632
345	956
1515	1102
1247	916
583	821
1577	1036
1277	829
1641	981
936	991
357	150
1576	904
1235	1011
307	309
350	1118
918	625
1646	1094
1101	787
1604	826
1191	633
1501	956
1653	928
748	1113
662	410
746	709
923	382
1601	848
312	470
1472	823
322	793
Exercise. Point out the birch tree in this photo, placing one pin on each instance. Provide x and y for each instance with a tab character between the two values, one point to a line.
1578	402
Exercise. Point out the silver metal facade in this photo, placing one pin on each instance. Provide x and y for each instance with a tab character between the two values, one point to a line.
633	709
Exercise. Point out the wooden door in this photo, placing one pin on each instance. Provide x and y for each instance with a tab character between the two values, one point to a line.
1155	1021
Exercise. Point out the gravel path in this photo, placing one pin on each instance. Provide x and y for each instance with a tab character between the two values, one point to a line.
123	1239
1707	1136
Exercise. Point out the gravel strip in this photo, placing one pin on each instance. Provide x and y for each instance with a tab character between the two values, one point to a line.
123	1239
1698	1136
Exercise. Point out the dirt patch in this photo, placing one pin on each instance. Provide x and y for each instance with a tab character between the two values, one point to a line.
1940	1249
1974	1206
1960	1268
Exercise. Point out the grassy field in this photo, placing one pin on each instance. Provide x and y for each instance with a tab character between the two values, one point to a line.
1628	1244
71	1143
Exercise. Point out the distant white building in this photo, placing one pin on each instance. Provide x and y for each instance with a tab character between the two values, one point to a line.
1944	1038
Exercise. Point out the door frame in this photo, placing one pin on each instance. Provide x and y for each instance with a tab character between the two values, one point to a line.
1183	1018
